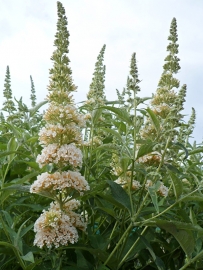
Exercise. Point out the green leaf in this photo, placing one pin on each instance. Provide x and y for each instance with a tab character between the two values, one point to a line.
12	146
15	251
159	263
121	126
171	168
98	241
110	147
36	108
193	217
32	164
177	185
8	218
152	192
154	119
22	107
28	257
32	265
113	132
181	146
120	113
193	198
16	131
119	194
183	232
99	255
124	163
102	267
5	194
7	153
196	151
22	188
110	199
25	230
25	178
146	148
107	210
3	147
32	140
96	114
82	263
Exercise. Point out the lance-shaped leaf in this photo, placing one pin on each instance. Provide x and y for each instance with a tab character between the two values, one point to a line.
145	149
154	119
120	113
159	263
119	194
12	146
36	108
182	232
177	185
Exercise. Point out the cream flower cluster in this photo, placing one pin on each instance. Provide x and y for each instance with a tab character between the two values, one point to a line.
67	154
125	182
54	228
60	181
162	191
62	133
150	159
68	207
52	134
65	113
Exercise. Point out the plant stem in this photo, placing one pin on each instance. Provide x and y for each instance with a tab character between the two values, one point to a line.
126	255
118	244
115	225
198	256
140	208
171	206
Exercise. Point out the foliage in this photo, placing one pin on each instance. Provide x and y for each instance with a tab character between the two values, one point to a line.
144	206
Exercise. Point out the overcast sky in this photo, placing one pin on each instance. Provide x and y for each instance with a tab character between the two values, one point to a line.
27	29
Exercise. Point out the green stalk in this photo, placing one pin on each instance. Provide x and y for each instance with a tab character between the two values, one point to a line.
163	155
134	149
14	248
126	255
141	206
198	256
119	243
171	206
4	176
115	225
91	147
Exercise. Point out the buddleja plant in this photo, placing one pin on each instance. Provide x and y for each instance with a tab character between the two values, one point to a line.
141	207
61	139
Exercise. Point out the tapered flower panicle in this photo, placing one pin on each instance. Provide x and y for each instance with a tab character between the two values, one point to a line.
166	102
8	104
133	80
33	95
96	94
61	138
165	93
61	84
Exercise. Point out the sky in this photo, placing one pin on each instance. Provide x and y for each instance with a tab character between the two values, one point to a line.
27	29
